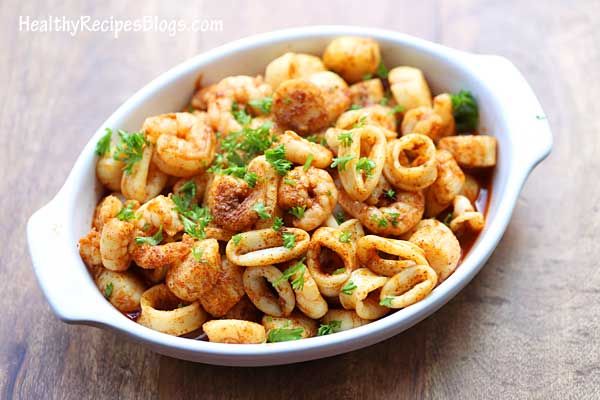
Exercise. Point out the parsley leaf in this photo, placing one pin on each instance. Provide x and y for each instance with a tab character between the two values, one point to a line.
382	70
276	157
397	109
367	165
349	288
298	268
345	236
236	238
264	104
394	217
316	139
277	224
150	240
465	111
197	253
355	107
126	213
108	290
362	121
289	181
384	100
338	271
261	210
240	115
345	138
309	161
390	194
103	145
183	199
298	211
386	301
130	149
289	240
327	329
339	216
284	334
340	162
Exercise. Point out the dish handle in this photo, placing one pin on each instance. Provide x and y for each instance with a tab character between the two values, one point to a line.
522	108
56	262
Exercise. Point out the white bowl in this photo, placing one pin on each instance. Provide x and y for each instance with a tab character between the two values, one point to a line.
509	110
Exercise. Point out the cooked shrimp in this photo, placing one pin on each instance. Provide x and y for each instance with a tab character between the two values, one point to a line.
367	93
313	191
110	171
292	66
299	105
184	143
234	89
108	208
89	250
145	180
115	240
393	217
150	257
267	183
159	212
335	92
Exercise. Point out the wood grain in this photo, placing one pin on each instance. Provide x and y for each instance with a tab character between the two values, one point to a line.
526	327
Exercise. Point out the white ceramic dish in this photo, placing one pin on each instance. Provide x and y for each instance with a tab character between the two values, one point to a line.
509	110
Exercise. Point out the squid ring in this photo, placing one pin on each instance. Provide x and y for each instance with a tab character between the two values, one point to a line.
298	150
308	298
359	184
330	281
163	312
234	331
145	180
369	247
410	162
262	296
266	247
409	286
464	216
362	283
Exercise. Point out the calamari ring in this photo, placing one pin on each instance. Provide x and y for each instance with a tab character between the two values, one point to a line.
145	180
369	247
365	283
464	217
262	296
359	185
234	331
295	321
298	149
265	247
161	312
330	283
308	298
410	162
408	286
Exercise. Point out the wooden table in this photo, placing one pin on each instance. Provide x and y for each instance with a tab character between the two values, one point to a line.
528	326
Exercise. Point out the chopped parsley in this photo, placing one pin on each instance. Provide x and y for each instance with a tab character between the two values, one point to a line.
327	329
261	210
397	109
308	162
239	147
465	111
340	162
298	268
345	138
150	240
316	139
381	222
349	288
276	157
264	104
386	301
384	100
277	224
130	149
338	271
394	217
339	216
345	236
103	145
362	121
237	238
240	115
194	218
197	253
289	181
289	240
447	219
184	197
367	165
298	211
126	213
108	290
382	70
390	194
355	107
284	334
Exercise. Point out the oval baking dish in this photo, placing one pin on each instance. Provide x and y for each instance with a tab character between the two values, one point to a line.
509	111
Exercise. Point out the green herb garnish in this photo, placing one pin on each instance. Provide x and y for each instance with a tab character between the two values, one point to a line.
298	211
236	238
277	224
327	329
103	145
130	149
349	288
367	165
298	268
126	213
465	111
150	240
289	240
340	162
284	334
108	290
345	138
261	210
264	104
386	301
308	162
276	157
345	236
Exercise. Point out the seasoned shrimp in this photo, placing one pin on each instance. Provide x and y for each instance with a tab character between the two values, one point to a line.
110	171
108	208
151	257
89	250
115	240
389	217
335	92
367	93
184	143
292	66
299	105
159	212
229	91
313	191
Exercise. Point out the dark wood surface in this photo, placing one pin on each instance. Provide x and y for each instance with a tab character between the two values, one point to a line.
528	326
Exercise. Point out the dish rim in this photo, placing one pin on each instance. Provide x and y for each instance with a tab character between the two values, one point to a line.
316	347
